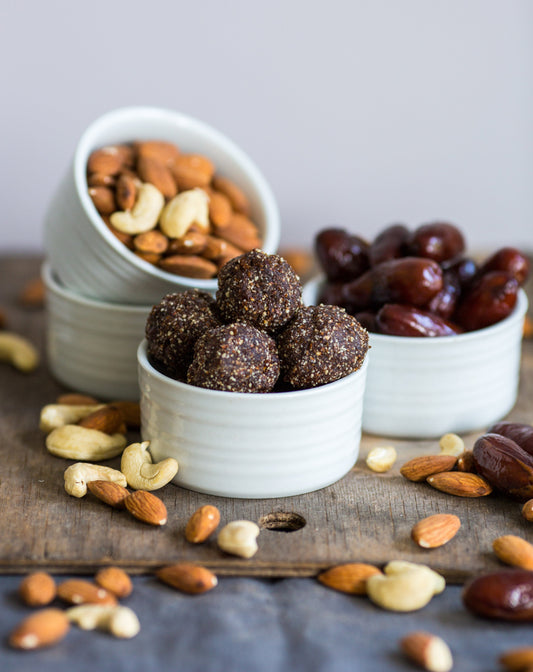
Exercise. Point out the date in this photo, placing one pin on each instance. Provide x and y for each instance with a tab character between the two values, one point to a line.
391	243
506	595
343	256
399	320
518	432
439	241
510	260
505	465
491	299
444	302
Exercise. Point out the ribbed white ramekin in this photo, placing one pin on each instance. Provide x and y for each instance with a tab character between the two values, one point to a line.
86	255
252	445
426	387
92	346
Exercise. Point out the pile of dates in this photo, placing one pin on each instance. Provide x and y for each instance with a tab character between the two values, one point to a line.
418	283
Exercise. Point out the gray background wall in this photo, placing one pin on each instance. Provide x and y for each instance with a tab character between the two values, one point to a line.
358	112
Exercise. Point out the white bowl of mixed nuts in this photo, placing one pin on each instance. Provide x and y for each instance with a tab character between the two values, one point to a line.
155	201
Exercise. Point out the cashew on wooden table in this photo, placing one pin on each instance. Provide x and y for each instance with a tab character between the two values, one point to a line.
78	475
141	474
18	351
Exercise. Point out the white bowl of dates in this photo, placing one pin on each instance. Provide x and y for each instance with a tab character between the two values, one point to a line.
253	393
445	331
92	346
154	202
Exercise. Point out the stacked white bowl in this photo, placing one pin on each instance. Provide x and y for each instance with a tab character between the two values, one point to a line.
99	294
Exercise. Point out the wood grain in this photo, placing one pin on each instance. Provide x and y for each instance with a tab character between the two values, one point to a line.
365	517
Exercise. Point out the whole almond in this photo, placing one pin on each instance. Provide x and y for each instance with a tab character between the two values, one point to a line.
518	660
465	462
236	195
188	578
115	581
151	241
156	173
130	411
146	507
150	257
126	191
430	652
109	492
240	231
106	161
37	589
101	180
193	242
203	522
164	152
436	530
514	551
107	419
527	510
460	484
191	266
349	578
419	468
103	199
75	399
220	210
79	591
43	628
125	238
192	170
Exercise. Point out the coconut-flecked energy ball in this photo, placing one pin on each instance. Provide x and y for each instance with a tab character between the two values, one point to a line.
173	327
235	358
259	289
322	344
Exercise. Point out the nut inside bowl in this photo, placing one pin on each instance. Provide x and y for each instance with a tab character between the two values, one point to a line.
89	258
426	387
252	445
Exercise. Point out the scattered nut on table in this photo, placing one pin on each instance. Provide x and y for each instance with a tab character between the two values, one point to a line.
18	351
141	474
79	474
428	651
381	458
118	620
404	586
79	443
239	538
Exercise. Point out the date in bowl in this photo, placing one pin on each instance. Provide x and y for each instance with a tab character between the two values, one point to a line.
252	445
426	387
85	254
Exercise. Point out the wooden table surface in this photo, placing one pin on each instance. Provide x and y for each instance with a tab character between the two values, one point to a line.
364	517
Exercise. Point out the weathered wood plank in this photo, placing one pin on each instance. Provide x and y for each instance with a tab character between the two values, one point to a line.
365	517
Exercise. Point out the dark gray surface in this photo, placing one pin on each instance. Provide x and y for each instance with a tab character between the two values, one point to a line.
253	625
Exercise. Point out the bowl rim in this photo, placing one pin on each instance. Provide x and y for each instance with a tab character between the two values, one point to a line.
246	397
517	314
86	144
54	285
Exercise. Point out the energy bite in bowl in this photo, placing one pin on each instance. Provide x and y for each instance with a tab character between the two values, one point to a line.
235	358
259	289
321	344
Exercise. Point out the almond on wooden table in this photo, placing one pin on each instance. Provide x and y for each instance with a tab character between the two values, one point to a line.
43	628
419	468
514	550
348	578
203	522
109	492
188	577
131	412
79	591
75	399
460	484
115	580
146	507
435	530
37	589
107	419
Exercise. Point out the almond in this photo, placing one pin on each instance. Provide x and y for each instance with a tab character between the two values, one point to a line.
240	231
436	530
74	399
107	419
109	492
125	238
33	293
115	581
106	161
419	468
217	248
236	195
514	551
203	522
192	170
220	210
527	510
461	484
518	660
187	577
193	242
126	191
150	257
130	411
465	462
301	260
43	628
101	180
146	507
156	173
428	651
190	266
164	152
37	589
151	241
79	591
349	578
103	199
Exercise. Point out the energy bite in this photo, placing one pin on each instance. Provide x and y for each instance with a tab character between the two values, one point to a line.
321	344
235	358
173	327
260	289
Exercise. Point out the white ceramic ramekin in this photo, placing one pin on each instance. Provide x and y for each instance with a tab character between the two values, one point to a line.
92	346
87	256
426	387
252	445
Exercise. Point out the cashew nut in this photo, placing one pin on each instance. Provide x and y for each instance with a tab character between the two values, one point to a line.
119	621
381	458
79	443
141	474
18	351
451	444
57	415
78	475
404	586
239	538
144	214
188	208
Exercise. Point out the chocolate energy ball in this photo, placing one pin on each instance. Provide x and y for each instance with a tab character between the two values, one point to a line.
259	289
235	358
322	344
173	327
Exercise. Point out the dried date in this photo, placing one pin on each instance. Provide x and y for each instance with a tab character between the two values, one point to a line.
391	243
399	320
342	256
505	465
491	299
439	241
444	302
506	595
510	260
516	431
